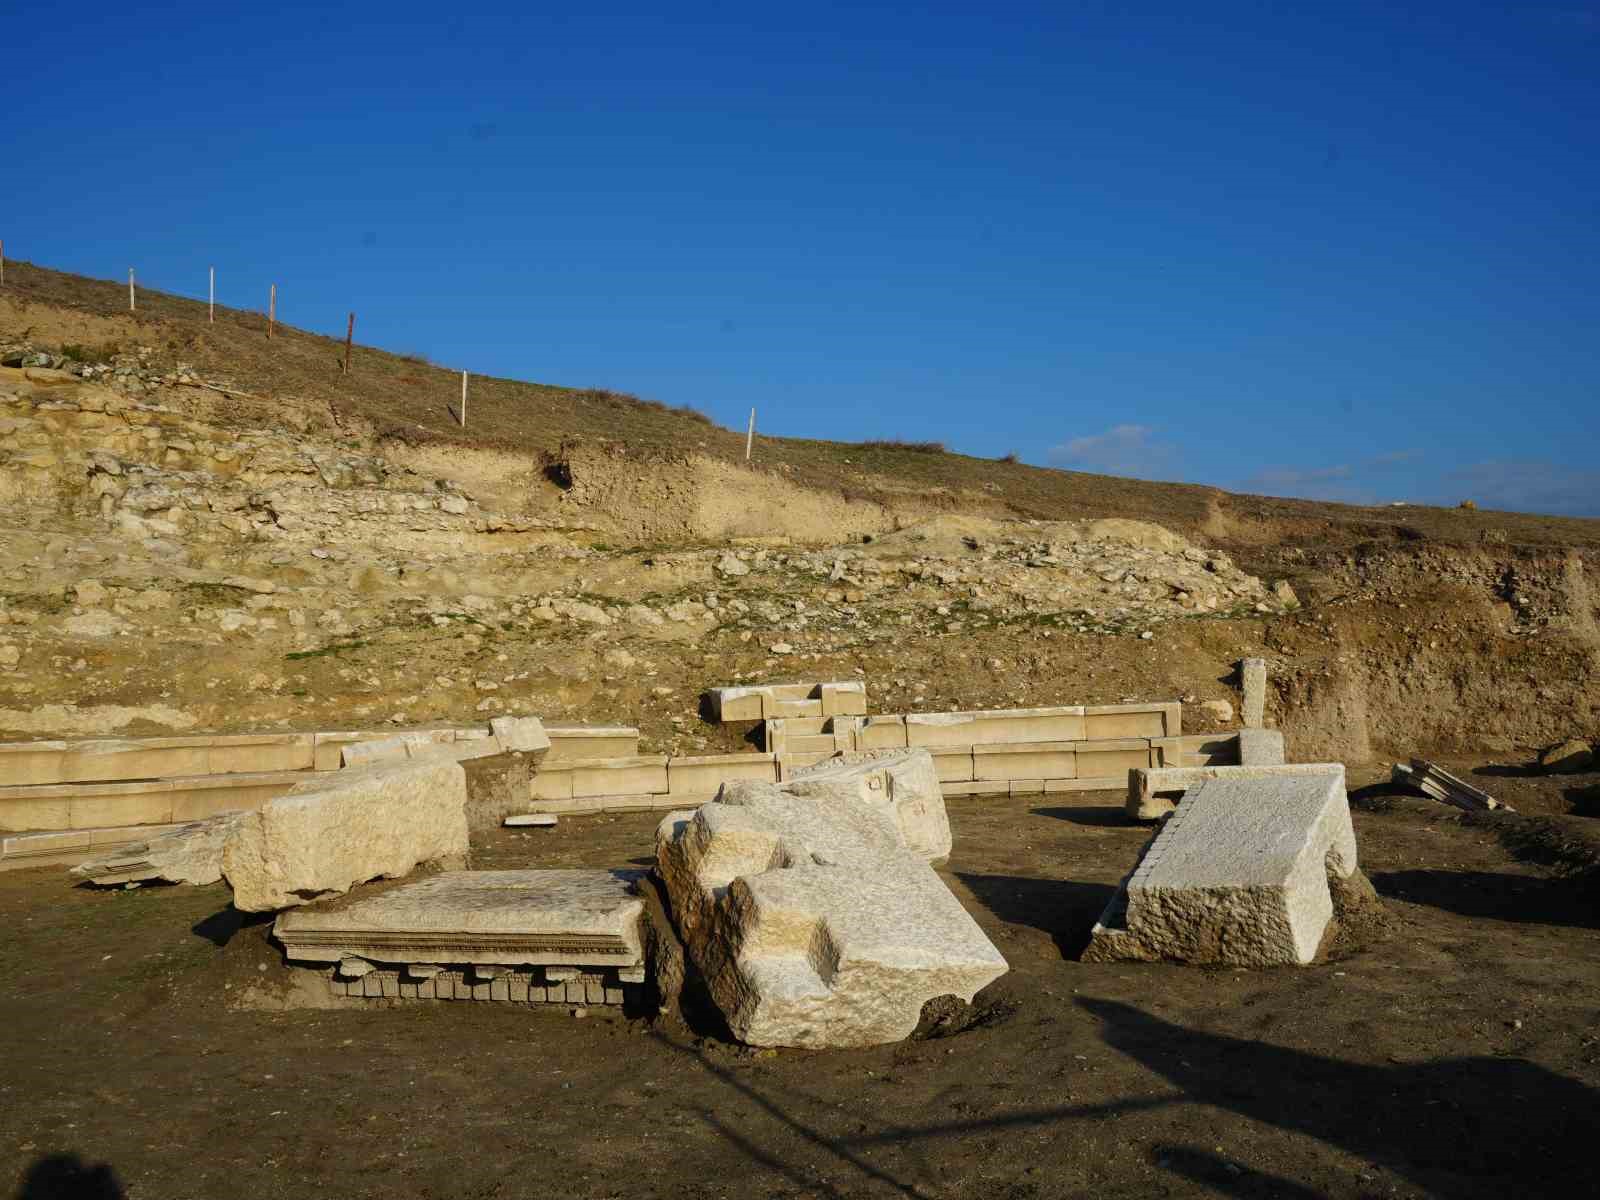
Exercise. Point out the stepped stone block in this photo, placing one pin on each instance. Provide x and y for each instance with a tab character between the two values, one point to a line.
338	830
488	919
190	854
591	741
903	783
1238	875
882	733
1153	793
811	922
844	699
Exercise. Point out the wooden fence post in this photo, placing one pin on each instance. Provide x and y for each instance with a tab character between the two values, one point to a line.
272	310
349	336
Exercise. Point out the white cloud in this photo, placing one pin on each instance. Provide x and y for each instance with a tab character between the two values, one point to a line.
1525	485
1120	450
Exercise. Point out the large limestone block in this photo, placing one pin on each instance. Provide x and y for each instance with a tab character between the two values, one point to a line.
1238	875
190	854
810	921
541	917
338	830
902	783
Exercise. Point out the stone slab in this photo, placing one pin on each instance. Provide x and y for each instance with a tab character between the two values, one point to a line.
695	775
533	820
578	918
881	733
189	854
1026	760
619	776
1153	793
343	828
591	741
521	735
1063	724
46	807
811	924
1238	875
103	760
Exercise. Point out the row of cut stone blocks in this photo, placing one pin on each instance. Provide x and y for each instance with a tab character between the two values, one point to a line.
519	985
103	760
1068	723
758	702
127	782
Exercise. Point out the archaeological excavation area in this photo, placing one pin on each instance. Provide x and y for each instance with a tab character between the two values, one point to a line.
391	811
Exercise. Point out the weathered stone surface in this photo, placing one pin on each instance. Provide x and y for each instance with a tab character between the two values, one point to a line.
524	735
1570	756
484	918
533	819
1238	875
338	830
497	785
1260	747
1253	674
810	921
1153	792
192	854
902	782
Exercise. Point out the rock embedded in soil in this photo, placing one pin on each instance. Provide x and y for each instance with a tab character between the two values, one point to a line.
1568	758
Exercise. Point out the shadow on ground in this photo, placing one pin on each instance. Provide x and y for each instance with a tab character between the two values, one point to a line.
68	1177
1065	910
1487	895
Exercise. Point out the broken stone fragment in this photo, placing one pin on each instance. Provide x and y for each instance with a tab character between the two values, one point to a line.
905	783
192	854
1569	757
523	735
331	833
811	922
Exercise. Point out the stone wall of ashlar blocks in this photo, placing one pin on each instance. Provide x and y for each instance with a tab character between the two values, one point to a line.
589	986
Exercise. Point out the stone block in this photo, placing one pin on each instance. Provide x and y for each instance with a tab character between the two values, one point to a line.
985	726
341	829
366	754
1238	875
497	786
521	735
489	919
1112	759
882	733
619	776
1153	793
1163	719
953	764
810	922
590	741
773	709
1253	676
703	774
517	988
1025	787
1026	760
189	854
847	699
736	704
550	783
902	783
1260	747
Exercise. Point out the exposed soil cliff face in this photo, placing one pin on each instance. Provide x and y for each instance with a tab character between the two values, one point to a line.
170	561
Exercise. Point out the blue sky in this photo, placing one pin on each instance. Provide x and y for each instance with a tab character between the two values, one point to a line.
1345	251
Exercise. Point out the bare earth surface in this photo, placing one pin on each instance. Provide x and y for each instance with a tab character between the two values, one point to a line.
1449	1049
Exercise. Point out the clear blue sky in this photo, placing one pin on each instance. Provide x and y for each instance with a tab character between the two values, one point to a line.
1347	251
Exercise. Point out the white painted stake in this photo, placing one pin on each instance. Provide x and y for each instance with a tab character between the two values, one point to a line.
130	290
463	399
750	436
2	262
213	295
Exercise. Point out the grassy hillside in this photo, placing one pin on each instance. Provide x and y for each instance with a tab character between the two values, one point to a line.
405	396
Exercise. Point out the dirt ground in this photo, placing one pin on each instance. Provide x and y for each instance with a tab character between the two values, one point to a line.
1453	1050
